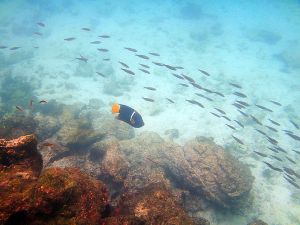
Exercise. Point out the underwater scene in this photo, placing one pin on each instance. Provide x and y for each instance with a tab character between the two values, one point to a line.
150	112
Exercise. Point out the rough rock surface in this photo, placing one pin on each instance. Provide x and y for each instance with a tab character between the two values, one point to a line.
56	196
154	205
199	166
20	166
207	168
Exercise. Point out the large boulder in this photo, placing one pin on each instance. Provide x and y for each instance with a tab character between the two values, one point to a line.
205	167
20	166
152	205
200	166
55	196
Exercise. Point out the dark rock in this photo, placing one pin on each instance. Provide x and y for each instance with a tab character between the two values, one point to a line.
258	222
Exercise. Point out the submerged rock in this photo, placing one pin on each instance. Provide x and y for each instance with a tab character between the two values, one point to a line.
152	205
258	222
57	196
200	166
206	168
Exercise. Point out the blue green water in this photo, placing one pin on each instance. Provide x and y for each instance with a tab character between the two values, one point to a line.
254	45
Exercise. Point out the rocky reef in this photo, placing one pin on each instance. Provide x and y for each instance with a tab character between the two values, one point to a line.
30	195
120	177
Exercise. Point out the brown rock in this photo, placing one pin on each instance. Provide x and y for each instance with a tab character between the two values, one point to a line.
207	168
20	166
153	205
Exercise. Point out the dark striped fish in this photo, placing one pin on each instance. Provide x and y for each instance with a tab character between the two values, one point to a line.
273	149
170	67
238	106
238	140
128	71
95	42
145	71
288	158
274	122
158	63
239	94
295	125
264	108
239	123
101	74
204	72
142	56
124	64
207	90
261	154
291	172
197	86
292	183
225	117
273	167
297	152
232	127
14	48
3	47
288	131
38	33
216	115
235	85
81	58
107	59
290	177
102	50
104	36
184	85
275	103
154	54
131	49
272	140
243	103
295	137
277	158
271	128
188	78
221	111
260	131
148	99
256	120
280	149
150	88
203	96
178	76
218	93
145	66
86	29
40	24
69	39
241	112
179	67
195	103
171	101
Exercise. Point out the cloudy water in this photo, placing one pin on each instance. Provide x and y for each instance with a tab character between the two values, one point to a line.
226	70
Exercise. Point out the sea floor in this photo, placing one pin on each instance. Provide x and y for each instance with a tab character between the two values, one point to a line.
254	45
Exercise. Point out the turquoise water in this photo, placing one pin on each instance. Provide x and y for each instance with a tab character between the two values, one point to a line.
248	47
